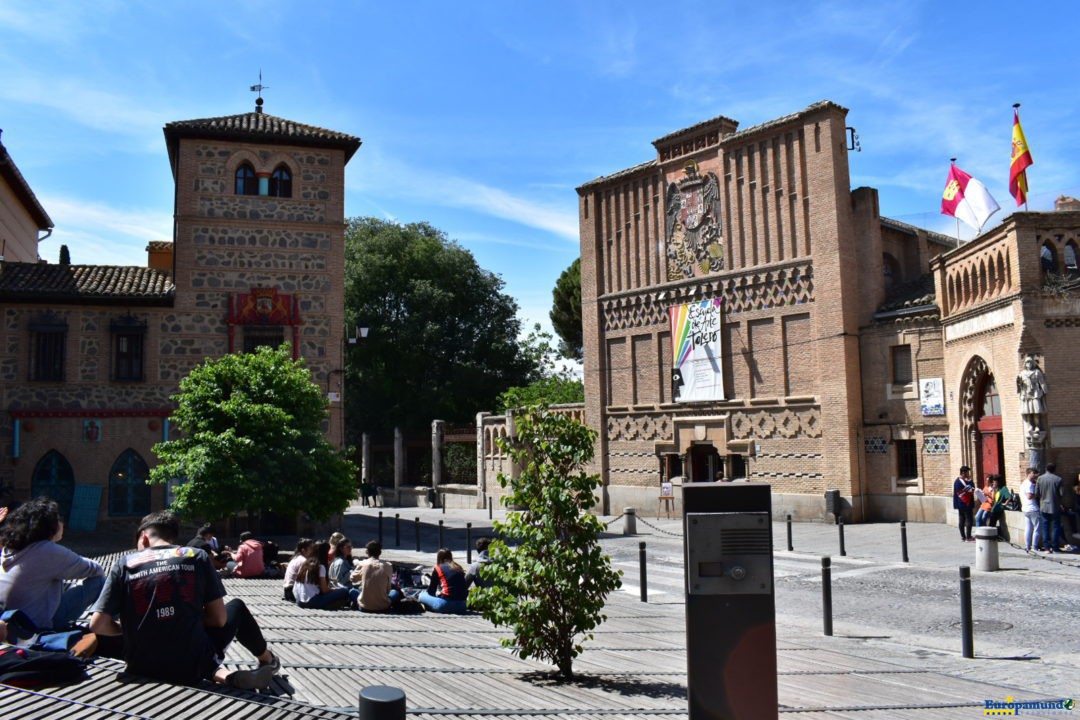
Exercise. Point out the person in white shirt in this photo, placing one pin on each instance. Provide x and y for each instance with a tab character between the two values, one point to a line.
1029	505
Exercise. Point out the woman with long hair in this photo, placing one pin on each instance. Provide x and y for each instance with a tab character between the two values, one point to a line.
312	588
447	590
34	566
304	548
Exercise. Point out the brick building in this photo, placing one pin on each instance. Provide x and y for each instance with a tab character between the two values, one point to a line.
842	351
90	355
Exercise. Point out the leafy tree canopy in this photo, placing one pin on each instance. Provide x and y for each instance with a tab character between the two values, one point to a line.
443	340
549	576
566	312
251	439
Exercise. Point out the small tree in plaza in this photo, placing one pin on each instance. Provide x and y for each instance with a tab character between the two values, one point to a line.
252	439
549	576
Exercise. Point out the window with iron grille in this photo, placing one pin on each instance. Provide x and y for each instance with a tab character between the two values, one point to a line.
129	357
257	336
901	365
907	460
47	353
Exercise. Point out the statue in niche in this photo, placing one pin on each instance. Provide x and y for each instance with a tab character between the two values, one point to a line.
1032	388
692	225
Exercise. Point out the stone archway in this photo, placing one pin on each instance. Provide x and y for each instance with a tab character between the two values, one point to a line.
980	420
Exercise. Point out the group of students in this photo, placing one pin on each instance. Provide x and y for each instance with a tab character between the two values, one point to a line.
1041	499
325	576
161	608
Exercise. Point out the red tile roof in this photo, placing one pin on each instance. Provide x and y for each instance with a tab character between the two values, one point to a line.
41	282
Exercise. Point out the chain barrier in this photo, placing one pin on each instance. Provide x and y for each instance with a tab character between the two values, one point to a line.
613	520
1048	557
648	524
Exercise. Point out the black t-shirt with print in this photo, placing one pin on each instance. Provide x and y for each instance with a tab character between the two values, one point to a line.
159	594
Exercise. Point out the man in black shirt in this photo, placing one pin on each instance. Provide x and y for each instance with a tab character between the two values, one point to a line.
173	618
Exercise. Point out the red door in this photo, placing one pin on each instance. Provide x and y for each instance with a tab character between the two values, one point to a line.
990	447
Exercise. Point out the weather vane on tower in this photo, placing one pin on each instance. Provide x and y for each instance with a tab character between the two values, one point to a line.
259	88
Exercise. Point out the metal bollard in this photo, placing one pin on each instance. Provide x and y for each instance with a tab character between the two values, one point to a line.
840	524
790	545
381	702
967	631
629	521
442	504
442	535
643	577
380	527
903	540
826	594
416	526
468	543
397	529
489	507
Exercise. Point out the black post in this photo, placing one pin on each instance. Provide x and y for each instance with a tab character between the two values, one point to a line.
840	524
442	536
416	525
644	580
442	503
380	527
903	540
489	507
967	632
381	702
826	594
468	543
397	529
790	546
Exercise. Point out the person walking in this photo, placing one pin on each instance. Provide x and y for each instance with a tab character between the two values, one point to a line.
964	502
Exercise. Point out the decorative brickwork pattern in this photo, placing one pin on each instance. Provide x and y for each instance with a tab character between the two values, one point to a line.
784	423
793	285
639	427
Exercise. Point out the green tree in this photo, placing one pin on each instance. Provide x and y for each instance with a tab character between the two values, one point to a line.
566	312
443	340
65	255
550	578
251	439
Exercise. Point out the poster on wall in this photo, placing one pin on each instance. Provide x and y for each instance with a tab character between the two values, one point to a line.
697	371
932	396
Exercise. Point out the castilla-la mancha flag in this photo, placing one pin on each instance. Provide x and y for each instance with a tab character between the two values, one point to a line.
967	199
1021	161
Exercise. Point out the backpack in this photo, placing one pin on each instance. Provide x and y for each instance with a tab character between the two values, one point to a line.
20	667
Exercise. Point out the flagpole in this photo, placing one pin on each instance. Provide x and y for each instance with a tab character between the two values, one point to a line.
952	161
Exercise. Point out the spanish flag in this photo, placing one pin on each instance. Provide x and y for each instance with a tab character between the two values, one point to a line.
1021	159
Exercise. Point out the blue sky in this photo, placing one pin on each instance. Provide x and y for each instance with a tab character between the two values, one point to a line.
482	117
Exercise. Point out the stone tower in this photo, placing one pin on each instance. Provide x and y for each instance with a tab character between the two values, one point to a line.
259	244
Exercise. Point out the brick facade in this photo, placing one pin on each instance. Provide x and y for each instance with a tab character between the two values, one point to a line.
241	265
831	322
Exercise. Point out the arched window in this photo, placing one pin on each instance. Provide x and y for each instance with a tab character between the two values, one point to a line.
1070	257
246	182
281	182
891	270
128	492
1048	259
54	478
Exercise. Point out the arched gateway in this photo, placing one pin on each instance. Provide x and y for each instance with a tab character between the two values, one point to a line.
980	413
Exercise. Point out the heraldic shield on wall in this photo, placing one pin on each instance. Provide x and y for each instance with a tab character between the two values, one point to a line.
694	247
697	370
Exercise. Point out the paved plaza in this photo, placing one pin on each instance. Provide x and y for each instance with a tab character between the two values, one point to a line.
454	667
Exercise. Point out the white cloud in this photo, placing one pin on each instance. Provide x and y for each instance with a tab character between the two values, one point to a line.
392	178
102	235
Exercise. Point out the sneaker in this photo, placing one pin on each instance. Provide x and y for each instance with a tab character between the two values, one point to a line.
251	679
275	663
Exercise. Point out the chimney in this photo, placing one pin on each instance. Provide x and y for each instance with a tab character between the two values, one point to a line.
159	255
